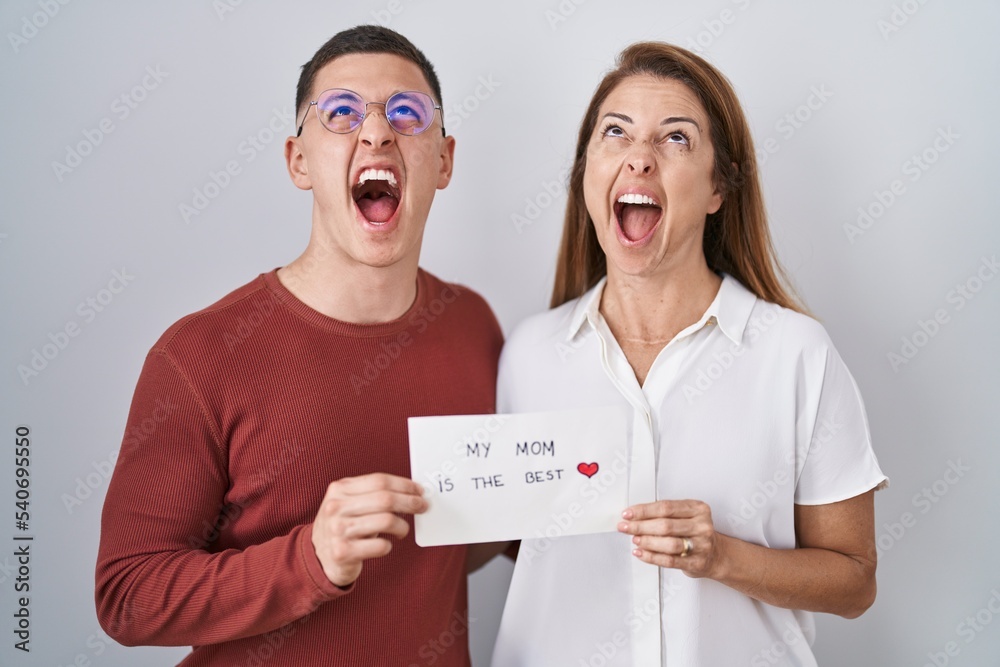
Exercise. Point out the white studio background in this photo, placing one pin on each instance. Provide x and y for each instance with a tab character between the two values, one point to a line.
876	118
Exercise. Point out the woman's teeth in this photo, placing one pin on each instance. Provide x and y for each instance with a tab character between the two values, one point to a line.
637	199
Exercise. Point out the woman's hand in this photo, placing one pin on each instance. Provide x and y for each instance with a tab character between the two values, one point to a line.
831	569
675	533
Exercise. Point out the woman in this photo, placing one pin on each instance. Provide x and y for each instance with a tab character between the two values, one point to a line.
752	476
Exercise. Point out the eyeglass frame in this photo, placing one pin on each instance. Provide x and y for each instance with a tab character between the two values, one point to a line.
315	103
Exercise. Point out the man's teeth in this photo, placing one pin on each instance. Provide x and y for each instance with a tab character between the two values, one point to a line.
637	199
377	175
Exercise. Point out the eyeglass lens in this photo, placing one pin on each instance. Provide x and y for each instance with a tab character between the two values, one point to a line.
342	110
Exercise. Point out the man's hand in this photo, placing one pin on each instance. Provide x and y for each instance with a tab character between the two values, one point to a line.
355	519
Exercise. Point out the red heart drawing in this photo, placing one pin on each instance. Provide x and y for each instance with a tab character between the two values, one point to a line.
588	469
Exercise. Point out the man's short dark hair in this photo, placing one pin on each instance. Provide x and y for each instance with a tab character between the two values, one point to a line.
363	39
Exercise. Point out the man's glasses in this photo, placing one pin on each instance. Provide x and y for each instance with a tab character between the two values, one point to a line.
342	111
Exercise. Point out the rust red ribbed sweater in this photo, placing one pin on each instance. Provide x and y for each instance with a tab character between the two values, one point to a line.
243	414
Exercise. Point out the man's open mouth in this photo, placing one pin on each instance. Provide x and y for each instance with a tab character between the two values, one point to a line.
637	215
376	194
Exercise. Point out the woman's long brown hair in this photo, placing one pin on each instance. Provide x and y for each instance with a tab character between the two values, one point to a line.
737	239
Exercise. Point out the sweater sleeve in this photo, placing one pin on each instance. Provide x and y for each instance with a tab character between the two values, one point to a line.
156	582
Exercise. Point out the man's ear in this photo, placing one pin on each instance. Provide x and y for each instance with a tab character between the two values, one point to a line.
447	162
298	166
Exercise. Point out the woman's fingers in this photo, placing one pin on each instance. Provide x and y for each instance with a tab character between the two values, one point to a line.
672	533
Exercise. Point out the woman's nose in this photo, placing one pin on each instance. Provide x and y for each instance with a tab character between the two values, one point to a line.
640	159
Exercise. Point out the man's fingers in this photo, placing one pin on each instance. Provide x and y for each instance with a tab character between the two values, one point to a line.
375	502
372	547
377	481
371	525
358	521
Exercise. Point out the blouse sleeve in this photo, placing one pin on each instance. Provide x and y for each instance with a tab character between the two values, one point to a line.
834	456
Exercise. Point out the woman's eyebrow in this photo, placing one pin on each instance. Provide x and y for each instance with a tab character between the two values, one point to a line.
680	119
619	116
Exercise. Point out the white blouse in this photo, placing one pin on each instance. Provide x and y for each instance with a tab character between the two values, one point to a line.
750	410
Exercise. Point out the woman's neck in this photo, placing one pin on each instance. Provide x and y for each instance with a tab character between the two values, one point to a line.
645	313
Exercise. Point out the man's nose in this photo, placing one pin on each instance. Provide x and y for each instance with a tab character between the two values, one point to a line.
375	130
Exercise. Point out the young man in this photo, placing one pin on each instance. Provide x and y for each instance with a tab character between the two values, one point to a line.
261	503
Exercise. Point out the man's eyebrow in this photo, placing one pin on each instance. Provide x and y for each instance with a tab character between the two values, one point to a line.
345	94
680	119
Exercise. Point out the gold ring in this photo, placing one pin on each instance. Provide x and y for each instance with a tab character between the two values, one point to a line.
687	548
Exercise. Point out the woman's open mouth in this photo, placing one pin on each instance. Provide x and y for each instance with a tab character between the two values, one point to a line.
637	216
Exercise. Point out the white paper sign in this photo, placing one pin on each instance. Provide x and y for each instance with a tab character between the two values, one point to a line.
491	478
